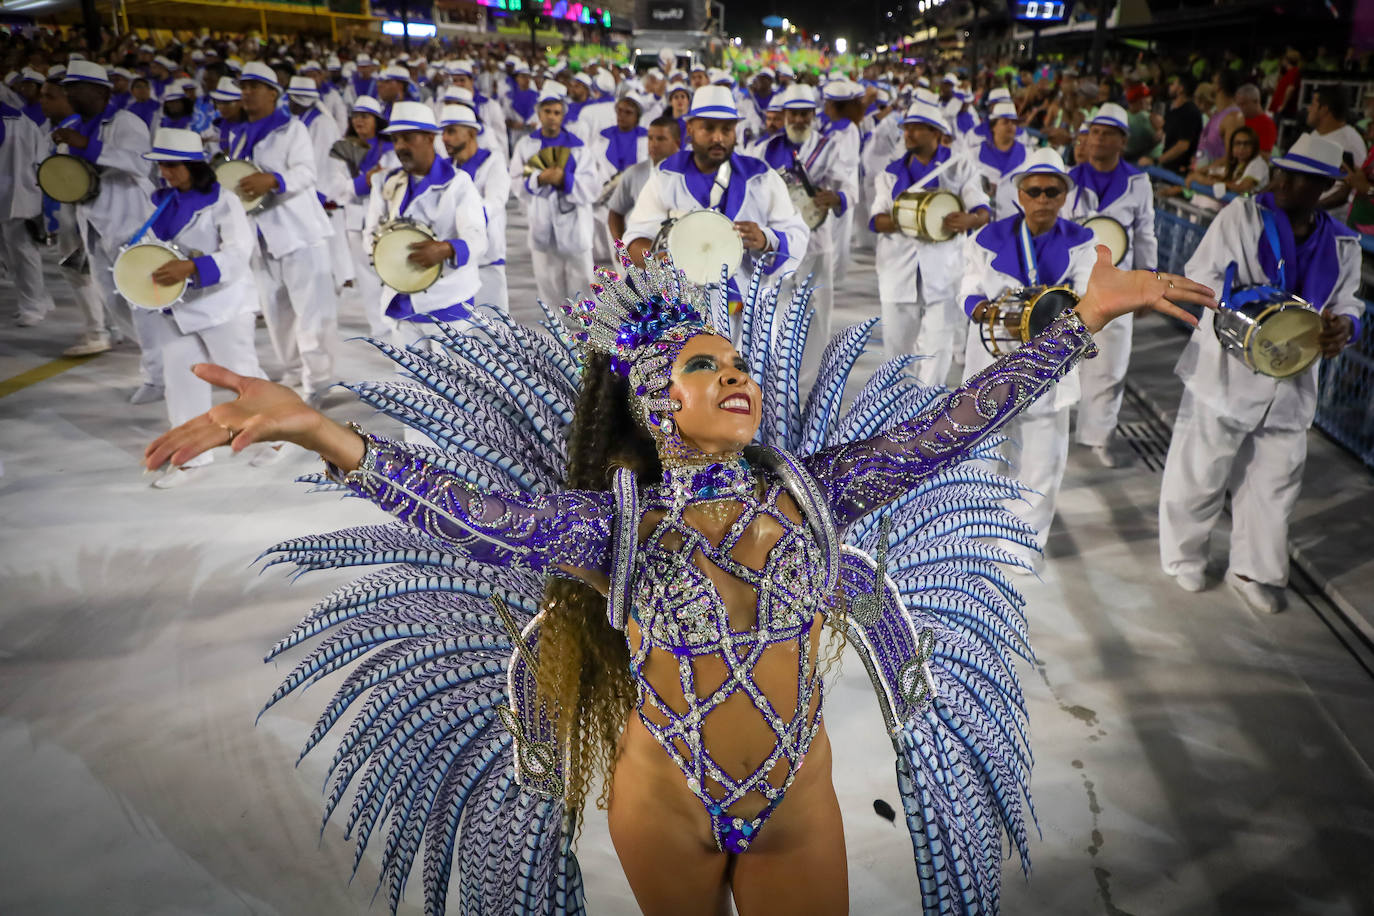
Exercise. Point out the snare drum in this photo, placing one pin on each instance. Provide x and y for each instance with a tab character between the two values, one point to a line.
230	172
811	214
1107	231
921	214
1018	315
391	243
1272	332
700	242
68	179
133	274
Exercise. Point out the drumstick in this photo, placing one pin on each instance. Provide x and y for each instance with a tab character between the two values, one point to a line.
152	219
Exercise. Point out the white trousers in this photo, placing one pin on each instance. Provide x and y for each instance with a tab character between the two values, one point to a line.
88	295
1262	468
132	323
341	260
1039	461
559	275
1104	382
301	311
843	233
931	330
229	345
26	264
602	245
820	266
367	286
491	289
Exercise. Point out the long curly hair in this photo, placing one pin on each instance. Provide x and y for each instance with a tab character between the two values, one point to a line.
583	676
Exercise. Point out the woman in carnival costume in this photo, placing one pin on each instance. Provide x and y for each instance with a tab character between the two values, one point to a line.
664	530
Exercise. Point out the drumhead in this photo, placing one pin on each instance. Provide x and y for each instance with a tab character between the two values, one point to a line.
939	205
811	214
701	241
1286	341
133	276
1107	231
66	179
391	259
230	172
1047	308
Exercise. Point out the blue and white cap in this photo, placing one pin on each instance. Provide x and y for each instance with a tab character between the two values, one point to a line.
1312	155
366	104
175	93
258	72
461	68
84	71
411	116
311	66
226	90
29	73
922	112
395	72
553	91
797	95
1004	110
460	115
842	90
1112	115
303	89
458	95
999	94
172	144
714	102
1044	161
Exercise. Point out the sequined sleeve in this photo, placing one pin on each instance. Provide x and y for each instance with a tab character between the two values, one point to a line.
569	528
858	477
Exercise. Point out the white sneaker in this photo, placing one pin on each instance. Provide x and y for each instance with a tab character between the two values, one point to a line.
1104	455
88	347
175	477
146	394
1260	597
1190	580
28	320
266	454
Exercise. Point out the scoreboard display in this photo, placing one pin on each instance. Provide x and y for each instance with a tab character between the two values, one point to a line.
1042	12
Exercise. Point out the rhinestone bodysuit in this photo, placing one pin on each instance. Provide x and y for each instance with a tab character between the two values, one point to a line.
678	606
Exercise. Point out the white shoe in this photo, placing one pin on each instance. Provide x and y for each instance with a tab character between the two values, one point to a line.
266	454
1260	597
27	320
88	347
1190	580
1104	455
175	477
146	394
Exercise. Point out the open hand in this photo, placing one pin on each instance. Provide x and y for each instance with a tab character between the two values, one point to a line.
1112	293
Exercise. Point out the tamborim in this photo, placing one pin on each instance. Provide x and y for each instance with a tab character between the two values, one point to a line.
1107	231
550	157
803	200
391	243
1270	331
700	242
921	214
1018	315
608	188
133	274
68	179
230	172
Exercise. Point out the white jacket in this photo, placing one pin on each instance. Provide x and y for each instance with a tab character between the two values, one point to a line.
488	172
293	219
1134	209
1222	381
560	217
448	204
1003	193
831	160
20	152
220	240
122	204
324	131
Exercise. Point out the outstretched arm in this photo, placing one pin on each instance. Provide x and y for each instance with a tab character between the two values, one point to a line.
860	477
569	531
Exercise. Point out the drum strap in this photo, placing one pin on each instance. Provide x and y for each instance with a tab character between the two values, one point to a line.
719	186
1271	234
1028	263
152	219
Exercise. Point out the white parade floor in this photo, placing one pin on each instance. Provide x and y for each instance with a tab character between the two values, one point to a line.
1191	756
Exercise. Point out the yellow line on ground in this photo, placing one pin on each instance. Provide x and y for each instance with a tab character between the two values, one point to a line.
40	373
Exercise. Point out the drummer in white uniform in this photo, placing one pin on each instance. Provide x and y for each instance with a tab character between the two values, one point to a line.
300	307
428	190
616	149
710	175
663	139
1035	247
918	280
21	146
1240	430
213	321
488	172
998	157
351	185
1108	186
304	101
557	202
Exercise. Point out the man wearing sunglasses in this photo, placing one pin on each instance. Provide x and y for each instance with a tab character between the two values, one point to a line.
1035	248
1107	186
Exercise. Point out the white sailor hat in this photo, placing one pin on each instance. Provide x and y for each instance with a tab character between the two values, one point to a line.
365	60
604	82
698	66
923	82
84	71
766	71
1312	155
333	63
29	73
57	72
714	102
175	92
1003	110
172	144
678	87
257	72
841	90
950	78
797	95
521	68
460	95
927	96
1112	115
303	88
884	95
165	62
226	91
460	115
775	101
553	91
999	94
120	72
1044	161
925	113
637	99
411	116
311	66
462	68
584	78
233	64
786	70
395	72
655	73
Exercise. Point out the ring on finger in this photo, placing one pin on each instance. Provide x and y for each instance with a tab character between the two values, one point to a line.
232	433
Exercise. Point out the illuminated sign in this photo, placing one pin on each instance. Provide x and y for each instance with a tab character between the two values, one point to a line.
415	29
567	10
1040	11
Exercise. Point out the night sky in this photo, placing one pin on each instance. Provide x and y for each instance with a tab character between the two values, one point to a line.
852	19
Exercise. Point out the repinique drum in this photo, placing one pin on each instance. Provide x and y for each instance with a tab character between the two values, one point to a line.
230	172
68	179
1020	314
921	214
133	274
1272	332
701	241
391	243
1107	231
811	214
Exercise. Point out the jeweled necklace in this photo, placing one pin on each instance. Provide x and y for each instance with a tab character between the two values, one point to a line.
709	485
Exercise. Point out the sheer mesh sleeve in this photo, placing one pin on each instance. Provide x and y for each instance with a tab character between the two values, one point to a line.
858	477
569	528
